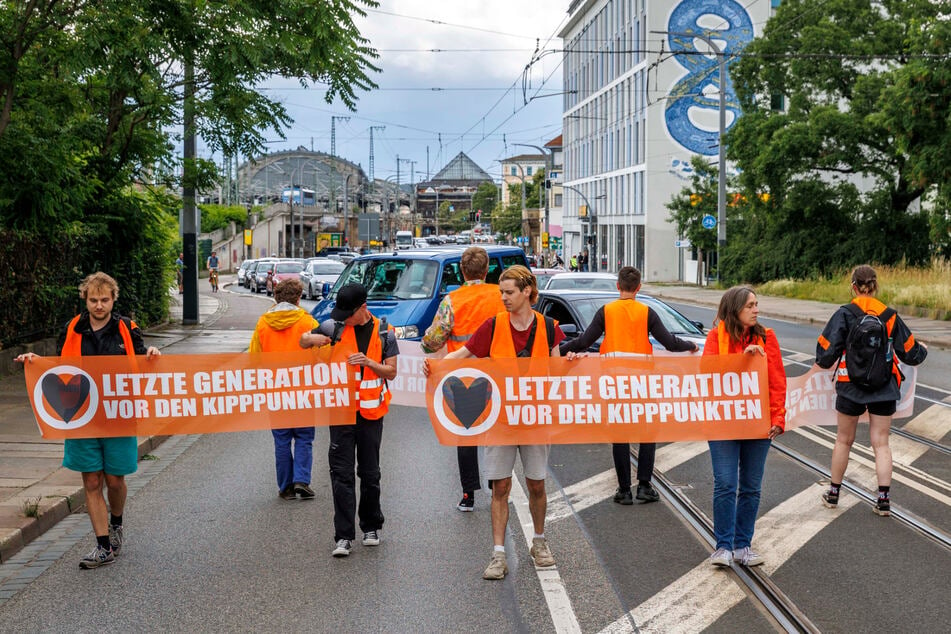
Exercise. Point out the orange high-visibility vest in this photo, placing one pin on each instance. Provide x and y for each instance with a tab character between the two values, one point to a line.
471	306
504	347
723	339
286	340
73	346
625	329
373	394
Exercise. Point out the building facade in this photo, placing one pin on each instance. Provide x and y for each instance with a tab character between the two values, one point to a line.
641	98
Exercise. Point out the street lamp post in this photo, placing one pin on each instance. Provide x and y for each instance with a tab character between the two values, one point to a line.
548	168
346	210
592	226
721	160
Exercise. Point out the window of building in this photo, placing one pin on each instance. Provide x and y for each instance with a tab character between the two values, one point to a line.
513	171
528	171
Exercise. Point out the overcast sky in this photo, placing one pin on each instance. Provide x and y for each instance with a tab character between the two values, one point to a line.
488	44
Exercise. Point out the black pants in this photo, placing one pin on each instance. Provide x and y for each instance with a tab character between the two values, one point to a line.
622	462
468	468
360	441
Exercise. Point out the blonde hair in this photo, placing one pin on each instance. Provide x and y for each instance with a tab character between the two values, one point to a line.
523	278
97	282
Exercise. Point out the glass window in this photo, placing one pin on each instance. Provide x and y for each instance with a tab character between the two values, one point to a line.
528	170
513	171
289	267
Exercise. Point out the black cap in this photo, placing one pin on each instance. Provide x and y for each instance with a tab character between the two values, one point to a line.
349	298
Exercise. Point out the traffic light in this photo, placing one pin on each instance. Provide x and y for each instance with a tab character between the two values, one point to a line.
544	240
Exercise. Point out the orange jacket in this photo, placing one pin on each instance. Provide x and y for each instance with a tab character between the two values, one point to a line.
373	394
503	346
625	328
719	342
471	306
280	330
72	346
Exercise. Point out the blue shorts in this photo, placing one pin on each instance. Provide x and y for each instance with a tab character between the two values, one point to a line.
114	456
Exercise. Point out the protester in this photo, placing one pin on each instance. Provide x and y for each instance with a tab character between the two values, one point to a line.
625	324
855	397
376	358
738	464
280	330
459	314
98	331
518	332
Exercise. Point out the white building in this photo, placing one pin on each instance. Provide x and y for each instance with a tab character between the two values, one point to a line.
634	116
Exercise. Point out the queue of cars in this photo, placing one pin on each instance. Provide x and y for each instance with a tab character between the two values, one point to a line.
316	274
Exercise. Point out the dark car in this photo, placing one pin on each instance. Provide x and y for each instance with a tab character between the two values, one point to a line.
249	273
406	287
318	272
574	310
282	270
258	277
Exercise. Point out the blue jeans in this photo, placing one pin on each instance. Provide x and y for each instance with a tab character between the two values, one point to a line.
293	465
737	476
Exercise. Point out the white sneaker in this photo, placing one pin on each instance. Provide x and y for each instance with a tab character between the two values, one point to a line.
342	548
721	557
746	557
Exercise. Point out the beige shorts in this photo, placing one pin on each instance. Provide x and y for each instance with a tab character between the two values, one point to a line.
500	461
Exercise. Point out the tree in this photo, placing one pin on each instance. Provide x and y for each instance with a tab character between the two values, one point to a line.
690	205
485	198
837	181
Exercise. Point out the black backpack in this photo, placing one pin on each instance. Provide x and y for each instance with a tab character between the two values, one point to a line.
868	349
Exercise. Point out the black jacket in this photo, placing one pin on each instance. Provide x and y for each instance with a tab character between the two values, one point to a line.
107	341
831	346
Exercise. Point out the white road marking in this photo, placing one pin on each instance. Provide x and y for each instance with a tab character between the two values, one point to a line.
675	454
703	595
556	596
934	423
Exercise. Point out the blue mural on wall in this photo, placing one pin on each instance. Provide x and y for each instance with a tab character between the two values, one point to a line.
703	75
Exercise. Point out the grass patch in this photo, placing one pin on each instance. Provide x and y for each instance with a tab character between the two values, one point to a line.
149	456
31	507
926	288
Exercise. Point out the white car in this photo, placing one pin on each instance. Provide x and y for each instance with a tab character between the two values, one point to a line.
583	282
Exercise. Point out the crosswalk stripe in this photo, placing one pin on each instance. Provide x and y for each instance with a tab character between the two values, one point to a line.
934	423
699	598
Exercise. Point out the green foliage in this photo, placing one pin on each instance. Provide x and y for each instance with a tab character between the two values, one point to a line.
690	205
214	217
485	198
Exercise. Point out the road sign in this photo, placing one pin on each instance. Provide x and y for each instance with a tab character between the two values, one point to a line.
368	227
709	222
682	244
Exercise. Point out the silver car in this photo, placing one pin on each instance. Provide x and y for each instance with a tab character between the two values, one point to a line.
318	272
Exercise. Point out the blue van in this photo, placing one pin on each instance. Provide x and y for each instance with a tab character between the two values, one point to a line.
407	286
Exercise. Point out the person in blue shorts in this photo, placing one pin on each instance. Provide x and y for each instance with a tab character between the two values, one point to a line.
98	331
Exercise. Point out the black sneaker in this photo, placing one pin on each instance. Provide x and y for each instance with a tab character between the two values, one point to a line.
342	548
288	494
882	507
646	493
830	499
371	538
304	491
624	496
467	503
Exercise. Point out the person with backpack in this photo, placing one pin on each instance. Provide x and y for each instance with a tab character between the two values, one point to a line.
865	339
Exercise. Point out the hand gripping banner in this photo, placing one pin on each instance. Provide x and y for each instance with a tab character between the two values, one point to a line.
97	397
598	400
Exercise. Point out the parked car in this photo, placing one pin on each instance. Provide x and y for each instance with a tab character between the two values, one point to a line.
406	287
259	278
574	310
319	273
583	281
243	270
252	267
282	270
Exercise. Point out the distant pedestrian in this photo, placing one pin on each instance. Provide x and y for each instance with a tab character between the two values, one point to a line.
376	357
625	325
180	273
95	332
518	332
583	261
738	465
573	263
280	330
459	314
855	396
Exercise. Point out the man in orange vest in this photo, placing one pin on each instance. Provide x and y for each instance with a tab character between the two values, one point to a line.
518	332
376	357
625	324
280	330
459	314
100	332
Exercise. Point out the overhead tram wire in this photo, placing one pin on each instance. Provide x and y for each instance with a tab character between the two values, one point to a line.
458	26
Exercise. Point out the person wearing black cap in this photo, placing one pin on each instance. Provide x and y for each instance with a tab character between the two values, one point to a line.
359	445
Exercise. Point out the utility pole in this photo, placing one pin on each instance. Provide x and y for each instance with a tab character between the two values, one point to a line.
372	128
412	177
190	315
333	170
544	189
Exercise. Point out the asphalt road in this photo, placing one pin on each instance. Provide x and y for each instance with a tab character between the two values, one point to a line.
211	547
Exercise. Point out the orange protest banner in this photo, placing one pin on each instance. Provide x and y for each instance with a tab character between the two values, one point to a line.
598	400
97	397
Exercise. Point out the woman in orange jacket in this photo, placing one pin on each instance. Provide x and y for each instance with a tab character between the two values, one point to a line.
738	464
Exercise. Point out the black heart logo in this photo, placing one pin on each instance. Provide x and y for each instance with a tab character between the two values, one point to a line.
467	403
66	397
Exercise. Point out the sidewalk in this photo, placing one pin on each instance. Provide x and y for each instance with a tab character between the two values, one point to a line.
30	467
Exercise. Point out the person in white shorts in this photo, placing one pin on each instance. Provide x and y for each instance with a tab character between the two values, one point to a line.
518	332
